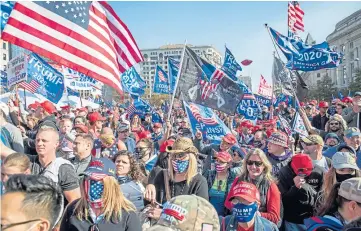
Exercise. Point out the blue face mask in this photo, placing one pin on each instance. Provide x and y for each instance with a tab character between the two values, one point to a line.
244	213
96	190
180	166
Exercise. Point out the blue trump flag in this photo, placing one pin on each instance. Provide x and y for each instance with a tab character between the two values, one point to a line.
263	101
6	8
161	81
230	65
205	120
51	81
72	92
4	80
132	82
173	68
305	57
340	95
248	107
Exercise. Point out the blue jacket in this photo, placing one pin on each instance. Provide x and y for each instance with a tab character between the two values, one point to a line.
229	223
132	192
314	223
331	151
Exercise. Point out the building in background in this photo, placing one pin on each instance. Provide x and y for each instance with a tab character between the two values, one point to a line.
5	54
347	39
246	80
159	56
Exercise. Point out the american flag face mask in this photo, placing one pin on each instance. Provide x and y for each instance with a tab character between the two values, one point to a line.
94	192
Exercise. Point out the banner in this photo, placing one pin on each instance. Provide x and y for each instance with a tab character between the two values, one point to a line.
281	76
286	126
248	107
51	81
161	81
230	65
202	83
305	57
132	82
173	68
79	81
72	92
17	70
6	8
263	101
264	88
205	120
299	126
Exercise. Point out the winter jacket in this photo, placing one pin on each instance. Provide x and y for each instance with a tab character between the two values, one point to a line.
314	223
352	118
229	223
133	192
316	122
279	162
298	203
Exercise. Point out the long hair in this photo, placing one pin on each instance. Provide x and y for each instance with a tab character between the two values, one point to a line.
135	173
132	123
329	180
338	118
267	171
191	171
332	202
113	202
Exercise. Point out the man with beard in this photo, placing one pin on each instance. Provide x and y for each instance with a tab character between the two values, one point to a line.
319	121
336	124
313	146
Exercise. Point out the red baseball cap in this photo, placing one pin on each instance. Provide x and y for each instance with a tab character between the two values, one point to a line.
323	104
82	127
302	164
157	125
230	138
224	157
34	105
247	124
247	191
347	99
167	143
66	107
48	107
95	116
83	109
145	135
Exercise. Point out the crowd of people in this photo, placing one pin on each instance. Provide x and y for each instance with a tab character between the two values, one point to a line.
102	169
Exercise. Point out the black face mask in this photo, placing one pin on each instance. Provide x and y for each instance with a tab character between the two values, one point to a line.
342	177
257	144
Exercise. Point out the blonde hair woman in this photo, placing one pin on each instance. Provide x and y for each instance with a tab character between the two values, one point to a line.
16	163
257	170
181	177
102	205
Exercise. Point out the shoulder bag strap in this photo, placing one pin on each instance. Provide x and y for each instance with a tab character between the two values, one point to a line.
166	184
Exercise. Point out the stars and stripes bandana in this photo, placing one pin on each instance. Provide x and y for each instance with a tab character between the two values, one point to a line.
180	166
94	191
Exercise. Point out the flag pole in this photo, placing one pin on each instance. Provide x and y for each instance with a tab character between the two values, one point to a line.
177	80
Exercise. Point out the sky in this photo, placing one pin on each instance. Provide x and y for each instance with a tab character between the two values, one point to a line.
239	25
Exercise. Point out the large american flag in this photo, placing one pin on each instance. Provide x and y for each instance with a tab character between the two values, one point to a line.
295	17
32	86
208	87
197	114
86	36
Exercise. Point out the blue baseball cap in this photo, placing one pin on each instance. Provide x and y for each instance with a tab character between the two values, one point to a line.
352	131
332	135
99	168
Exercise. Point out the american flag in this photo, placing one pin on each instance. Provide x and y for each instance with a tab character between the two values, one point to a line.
161	76
131	110
197	114
86	36
295	17
32	86
209	87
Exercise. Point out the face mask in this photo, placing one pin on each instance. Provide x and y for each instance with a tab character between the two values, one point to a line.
220	168
257	144
244	213
180	166
94	191
342	177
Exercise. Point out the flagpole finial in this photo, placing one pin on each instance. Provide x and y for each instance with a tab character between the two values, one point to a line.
266	24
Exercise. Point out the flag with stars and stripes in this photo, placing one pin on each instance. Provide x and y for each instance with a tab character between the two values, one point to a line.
202	83
161	83
87	37
99	149
295	18
32	86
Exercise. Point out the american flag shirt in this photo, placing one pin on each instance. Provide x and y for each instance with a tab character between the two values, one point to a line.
99	148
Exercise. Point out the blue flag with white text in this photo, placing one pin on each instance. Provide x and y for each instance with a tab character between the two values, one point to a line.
51	81
132	82
72	92
205	120
305	57
248	107
173	68
230	65
161	81
6	8
263	101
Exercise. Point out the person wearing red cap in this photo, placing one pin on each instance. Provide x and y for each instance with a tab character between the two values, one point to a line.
65	110
319	121
228	141
220	180
82	112
299	182
96	123
244	135
246	200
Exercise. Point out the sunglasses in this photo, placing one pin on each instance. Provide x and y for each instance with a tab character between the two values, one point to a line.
334	124
257	163
180	155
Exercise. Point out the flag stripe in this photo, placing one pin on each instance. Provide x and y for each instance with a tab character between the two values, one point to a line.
32	86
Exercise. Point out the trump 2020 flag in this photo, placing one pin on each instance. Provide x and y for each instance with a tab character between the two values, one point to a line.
248	107
230	65
133	83
201	83
6	8
304	57
299	126
51	81
86	36
161	82
263	101
173	68
205	120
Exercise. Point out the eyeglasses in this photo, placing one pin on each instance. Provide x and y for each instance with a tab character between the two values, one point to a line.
257	163
180	155
4	227
125	131
331	124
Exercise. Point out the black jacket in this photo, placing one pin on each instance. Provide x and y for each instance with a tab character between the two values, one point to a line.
299	204
128	222
316	122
